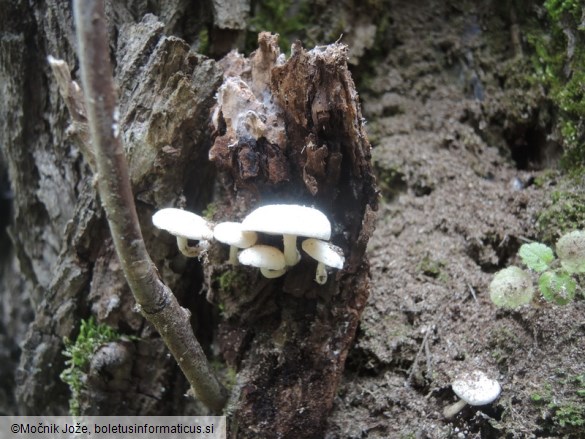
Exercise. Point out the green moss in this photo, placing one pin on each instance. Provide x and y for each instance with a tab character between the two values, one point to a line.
228	375
287	18
566	213
431	267
558	8
569	415
559	64
544	178
537	398
232	281
91	337
203	42
564	401
210	211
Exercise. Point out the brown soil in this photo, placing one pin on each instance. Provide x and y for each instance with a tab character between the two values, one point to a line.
455	209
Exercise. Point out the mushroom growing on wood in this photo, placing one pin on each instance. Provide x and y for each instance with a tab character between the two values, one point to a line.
290	220
184	225
268	259
474	388
231	233
326	254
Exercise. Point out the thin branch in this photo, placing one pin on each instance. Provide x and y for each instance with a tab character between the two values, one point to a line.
156	301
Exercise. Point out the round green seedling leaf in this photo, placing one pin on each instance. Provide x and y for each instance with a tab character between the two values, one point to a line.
557	287
536	256
571	251
511	288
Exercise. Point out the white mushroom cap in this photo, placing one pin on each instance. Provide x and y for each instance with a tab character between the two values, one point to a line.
263	256
324	252
288	219
231	233
183	223
476	388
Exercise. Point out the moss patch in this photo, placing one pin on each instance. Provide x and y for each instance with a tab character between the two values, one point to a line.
91	337
232	281
287	18
563	403
566	213
432	268
559	63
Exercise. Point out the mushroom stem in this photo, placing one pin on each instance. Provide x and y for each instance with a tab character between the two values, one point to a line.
271	274
291	254
191	252
321	274
451	410
186	249
233	260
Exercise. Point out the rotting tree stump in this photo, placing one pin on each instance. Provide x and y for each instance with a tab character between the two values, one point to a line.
290	132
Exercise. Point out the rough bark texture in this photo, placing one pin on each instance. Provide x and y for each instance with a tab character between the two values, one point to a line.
68	268
292	133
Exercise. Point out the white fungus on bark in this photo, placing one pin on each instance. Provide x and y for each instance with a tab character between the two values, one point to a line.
184	225
326	254
289	220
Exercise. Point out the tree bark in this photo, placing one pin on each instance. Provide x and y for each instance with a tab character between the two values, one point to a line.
68	269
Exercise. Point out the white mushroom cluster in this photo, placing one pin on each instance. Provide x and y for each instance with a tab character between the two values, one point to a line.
289	220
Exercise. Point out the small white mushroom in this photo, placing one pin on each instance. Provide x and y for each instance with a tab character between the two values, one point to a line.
290	220
231	233
268	259
474	388
184	225
326	254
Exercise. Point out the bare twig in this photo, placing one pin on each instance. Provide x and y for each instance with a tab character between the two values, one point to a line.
472	292
423	348
156	301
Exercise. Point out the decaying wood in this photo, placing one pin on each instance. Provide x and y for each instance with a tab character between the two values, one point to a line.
292	132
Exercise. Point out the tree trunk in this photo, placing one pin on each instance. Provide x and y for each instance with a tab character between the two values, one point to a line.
59	239
289	337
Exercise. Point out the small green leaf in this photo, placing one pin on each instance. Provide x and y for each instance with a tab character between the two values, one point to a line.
571	251
511	288
536	256
557	287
